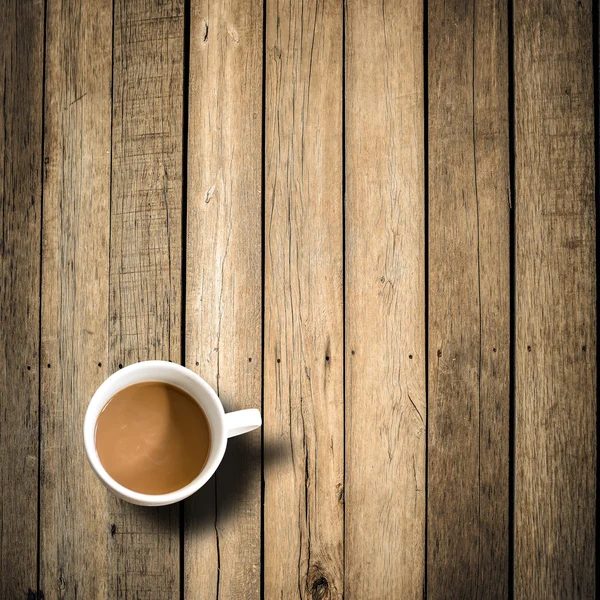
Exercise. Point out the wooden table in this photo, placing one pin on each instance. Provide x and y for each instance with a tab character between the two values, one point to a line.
376	221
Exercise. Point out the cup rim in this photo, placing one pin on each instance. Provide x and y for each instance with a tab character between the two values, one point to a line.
101	398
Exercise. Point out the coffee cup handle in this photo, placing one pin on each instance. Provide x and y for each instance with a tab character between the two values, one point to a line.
242	421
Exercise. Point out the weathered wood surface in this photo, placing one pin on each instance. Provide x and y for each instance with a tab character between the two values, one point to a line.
385	301
556	403
74	531
326	228
224	286
303	350
146	255
21	73
469	300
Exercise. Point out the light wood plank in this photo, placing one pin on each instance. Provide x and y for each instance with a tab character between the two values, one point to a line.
75	534
303	361
224	286
556	309
385	301
469	300
146	255
21	72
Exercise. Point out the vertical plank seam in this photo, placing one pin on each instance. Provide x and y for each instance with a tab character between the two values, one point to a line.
184	195
262	285
110	207
596	75
42	173
110	183
2	238
513	306
426	267
217	540
344	11
479	302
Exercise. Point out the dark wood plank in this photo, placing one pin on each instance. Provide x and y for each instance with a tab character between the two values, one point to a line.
385	301
469	295
492	163
556	310
224	285
21	73
303	360
146	255
75	534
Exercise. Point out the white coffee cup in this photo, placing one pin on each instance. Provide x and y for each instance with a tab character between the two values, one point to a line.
222	425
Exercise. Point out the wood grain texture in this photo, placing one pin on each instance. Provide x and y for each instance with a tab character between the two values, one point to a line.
469	296
556	310
75	535
224	286
303	360
21	72
385	301
146	255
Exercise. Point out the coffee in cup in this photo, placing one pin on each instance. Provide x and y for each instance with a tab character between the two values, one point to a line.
153	438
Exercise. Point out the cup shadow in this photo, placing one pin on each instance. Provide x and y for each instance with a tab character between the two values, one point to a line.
233	490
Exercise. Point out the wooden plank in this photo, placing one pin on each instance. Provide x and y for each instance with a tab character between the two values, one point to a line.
75	535
21	72
385	301
303	358
146	254
556	309
492	163
469	296
224	285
